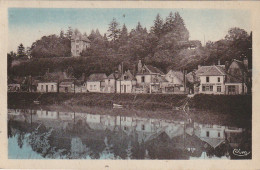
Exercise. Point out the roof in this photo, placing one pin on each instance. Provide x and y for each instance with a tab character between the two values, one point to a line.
56	76
80	37
97	77
153	69
111	76
128	74
66	83
214	142
214	70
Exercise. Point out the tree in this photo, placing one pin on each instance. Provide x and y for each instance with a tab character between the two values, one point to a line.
21	50
157	29
61	34
69	33
179	28
169	23
123	35
113	30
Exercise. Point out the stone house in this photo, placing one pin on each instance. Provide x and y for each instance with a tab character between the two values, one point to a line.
126	83
96	82
145	76
110	84
212	79
79	43
175	81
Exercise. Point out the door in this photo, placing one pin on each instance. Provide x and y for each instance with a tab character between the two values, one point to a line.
46	88
124	88
66	89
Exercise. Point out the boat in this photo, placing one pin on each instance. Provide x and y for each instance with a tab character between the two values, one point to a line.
117	106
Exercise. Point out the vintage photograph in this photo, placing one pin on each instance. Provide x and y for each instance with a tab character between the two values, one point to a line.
129	83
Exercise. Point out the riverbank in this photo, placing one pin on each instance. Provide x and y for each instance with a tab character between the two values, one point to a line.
212	109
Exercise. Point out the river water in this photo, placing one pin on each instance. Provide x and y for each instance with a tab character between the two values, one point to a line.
42	134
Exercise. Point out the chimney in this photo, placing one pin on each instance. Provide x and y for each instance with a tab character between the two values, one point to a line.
140	66
226	65
245	62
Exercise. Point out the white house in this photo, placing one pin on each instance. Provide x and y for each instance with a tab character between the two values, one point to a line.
96	82
175	82
126	83
212	79
47	87
110	84
145	76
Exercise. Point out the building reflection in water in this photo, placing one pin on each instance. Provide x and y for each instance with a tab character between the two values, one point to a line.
93	136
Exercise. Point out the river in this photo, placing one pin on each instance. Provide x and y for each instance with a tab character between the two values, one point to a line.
50	134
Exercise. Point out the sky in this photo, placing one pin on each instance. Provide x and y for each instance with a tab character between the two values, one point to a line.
26	25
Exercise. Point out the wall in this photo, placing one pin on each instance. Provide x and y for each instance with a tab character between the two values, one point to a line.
109	86
213	80
40	89
128	84
93	86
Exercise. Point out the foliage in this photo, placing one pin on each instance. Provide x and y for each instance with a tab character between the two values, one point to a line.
162	47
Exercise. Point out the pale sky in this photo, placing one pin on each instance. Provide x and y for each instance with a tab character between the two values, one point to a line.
26	25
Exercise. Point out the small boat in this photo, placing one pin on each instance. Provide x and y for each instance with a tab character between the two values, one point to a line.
117	106
36	102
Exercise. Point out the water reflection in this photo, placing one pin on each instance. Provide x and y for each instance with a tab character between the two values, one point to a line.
72	135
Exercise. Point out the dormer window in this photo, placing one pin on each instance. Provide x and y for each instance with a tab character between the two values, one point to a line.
125	77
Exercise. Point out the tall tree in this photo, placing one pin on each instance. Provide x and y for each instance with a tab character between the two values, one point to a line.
113	30
61	34
123	35
157	28
179	28
21	50
169	23
69	33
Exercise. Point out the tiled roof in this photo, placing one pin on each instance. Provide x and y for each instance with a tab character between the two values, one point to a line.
153	69
97	77
215	70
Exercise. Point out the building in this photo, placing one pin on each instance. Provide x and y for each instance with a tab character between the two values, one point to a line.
79	43
212	79
47	87
67	86
96	82
126	83
237	73
175	82
110	84
145	76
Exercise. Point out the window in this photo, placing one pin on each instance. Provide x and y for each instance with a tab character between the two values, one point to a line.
203	88
219	134
207	134
108	81
77	51
77	41
41	87
77	46
218	88
231	89
125	128
125	77
142	79
207	88
143	127
211	88
218	79
207	79
52	88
